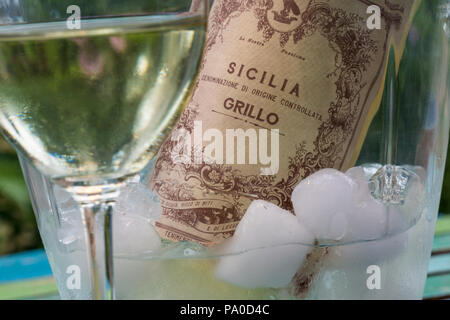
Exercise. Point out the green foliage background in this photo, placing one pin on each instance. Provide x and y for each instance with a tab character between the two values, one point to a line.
18	229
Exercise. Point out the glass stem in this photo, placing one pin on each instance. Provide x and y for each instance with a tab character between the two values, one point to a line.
97	219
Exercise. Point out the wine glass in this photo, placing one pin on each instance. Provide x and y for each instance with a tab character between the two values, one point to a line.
89	90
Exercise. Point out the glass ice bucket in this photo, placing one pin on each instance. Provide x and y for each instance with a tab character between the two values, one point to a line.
376	247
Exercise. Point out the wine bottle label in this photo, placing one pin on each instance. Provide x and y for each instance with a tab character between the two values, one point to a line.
287	87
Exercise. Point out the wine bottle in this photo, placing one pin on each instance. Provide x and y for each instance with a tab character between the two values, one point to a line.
286	88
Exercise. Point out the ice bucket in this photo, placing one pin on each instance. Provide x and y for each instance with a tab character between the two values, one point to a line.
375	247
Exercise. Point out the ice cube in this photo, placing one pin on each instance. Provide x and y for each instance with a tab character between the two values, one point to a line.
61	196
267	248
323	203
368	252
134	234
344	272
359	176
134	216
137	200
339	207
401	189
369	217
406	214
67	212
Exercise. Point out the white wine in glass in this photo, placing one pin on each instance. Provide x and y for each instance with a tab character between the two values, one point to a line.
90	107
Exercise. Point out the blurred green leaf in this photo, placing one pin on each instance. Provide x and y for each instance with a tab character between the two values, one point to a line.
445	196
18	229
12	183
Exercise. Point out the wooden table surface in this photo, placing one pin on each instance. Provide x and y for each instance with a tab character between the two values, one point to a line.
28	275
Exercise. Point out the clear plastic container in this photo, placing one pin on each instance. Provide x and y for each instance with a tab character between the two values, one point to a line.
400	167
